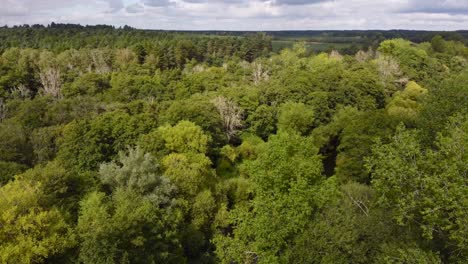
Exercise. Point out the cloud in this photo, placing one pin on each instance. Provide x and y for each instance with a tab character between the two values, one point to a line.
437	6
243	14
299	2
157	3
135	8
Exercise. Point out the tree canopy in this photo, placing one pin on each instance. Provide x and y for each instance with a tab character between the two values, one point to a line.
120	145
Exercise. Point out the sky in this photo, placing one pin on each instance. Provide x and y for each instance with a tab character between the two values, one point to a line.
243	14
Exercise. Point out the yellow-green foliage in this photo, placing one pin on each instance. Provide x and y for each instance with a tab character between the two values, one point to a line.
29	232
190	172
185	137
406	104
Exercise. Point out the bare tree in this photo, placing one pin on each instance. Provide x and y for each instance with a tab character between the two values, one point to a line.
387	66
231	115
198	68
125	57
51	82
3	110
259	73
100	62
334	54
21	91
362	56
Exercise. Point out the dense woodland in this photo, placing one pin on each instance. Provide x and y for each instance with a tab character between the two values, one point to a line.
120	146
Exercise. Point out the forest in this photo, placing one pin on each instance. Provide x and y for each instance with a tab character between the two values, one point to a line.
120	145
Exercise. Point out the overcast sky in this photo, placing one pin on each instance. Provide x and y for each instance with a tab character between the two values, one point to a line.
243	14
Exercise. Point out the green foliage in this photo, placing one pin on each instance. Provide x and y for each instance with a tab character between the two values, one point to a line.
86	143
200	111
425	187
87	84
295	117
190	172
136	146
287	182
445	100
415	62
31	232
126	227
438	44
406	253
126	87
43	141
58	187
185	137
8	170
140	173
349	229
262	122
404	104
141	212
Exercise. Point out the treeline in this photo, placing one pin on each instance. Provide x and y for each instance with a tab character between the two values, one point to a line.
175	46
106	156
412	35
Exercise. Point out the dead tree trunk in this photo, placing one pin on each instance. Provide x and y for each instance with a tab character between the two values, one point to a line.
51	82
231	114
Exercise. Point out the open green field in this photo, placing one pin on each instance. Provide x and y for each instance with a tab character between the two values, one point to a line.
315	46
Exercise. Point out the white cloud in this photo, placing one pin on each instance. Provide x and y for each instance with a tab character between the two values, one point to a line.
243	14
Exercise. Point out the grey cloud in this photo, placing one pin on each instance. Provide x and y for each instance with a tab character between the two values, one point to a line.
214	1
135	9
243	14
299	2
157	3
35	6
274	2
436	6
115	5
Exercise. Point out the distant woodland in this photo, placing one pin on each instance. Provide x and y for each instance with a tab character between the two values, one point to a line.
120	145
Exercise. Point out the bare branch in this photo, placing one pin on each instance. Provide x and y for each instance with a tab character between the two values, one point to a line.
51	82
22	91
99	61
3	110
259	73
231	115
362	56
388	67
334	54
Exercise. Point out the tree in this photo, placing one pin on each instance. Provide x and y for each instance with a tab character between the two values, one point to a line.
351	228
31	232
3	110
126	228
200	111
14	145
138	222
445	100
185	137
51	82
8	170
259	73
424	187
90	83
140	173
438	44
231	114
87	142
288	188
190	172
405	104
415	63
296	117
263	121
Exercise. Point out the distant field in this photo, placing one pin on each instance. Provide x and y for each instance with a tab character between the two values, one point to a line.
315	46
